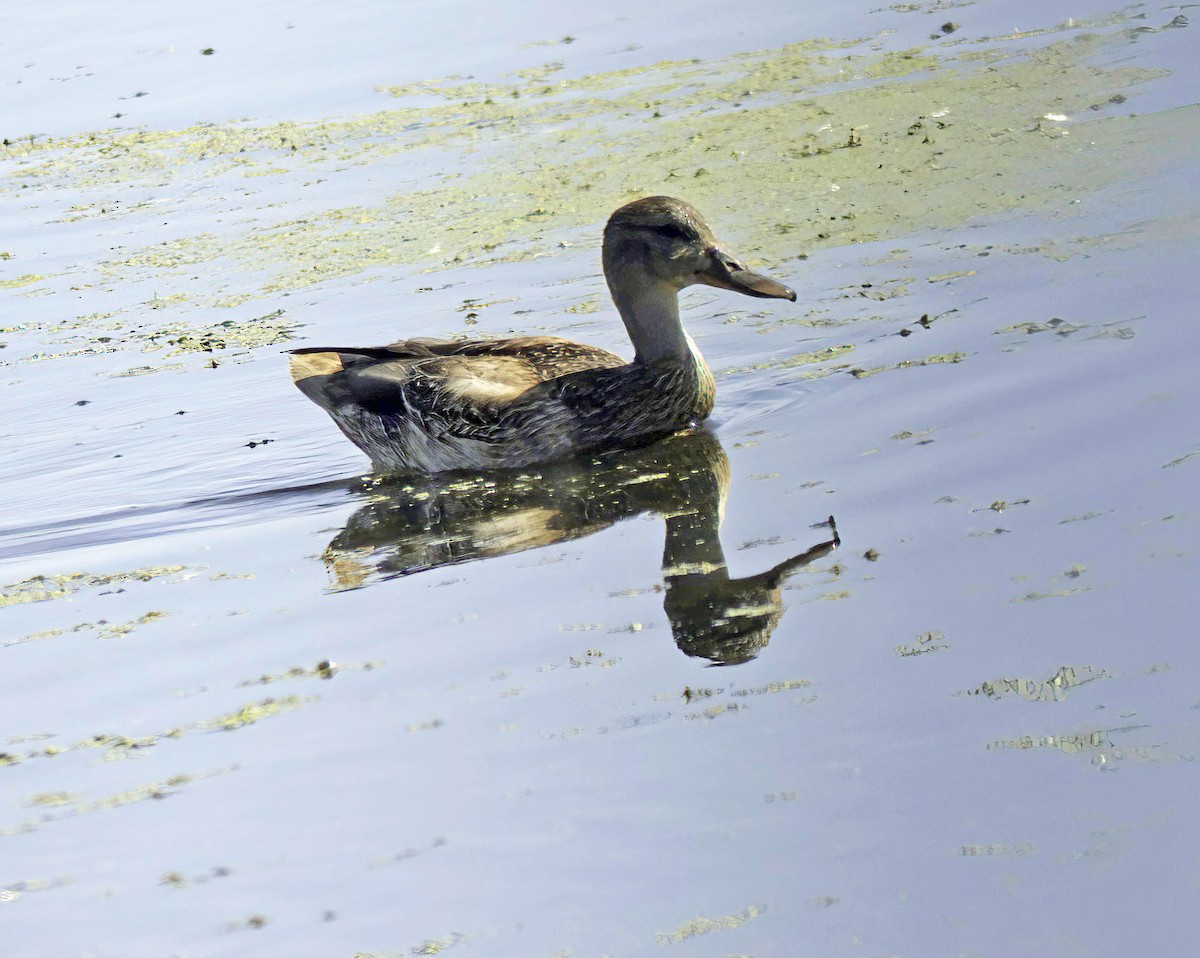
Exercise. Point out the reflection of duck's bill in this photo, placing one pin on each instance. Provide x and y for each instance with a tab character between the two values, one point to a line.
725	272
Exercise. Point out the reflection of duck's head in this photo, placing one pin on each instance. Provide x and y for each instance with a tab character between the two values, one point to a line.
725	620
712	615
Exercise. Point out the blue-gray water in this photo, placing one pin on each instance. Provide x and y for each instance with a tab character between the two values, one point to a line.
251	703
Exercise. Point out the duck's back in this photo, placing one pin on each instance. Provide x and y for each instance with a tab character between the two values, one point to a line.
430	405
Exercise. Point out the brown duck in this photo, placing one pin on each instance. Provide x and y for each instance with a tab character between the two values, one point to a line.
427	406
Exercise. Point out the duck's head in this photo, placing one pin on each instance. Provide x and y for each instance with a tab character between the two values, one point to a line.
662	241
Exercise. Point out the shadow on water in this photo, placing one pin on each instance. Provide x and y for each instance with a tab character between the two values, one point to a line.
413	527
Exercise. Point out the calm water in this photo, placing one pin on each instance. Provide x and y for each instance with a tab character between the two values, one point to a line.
253	701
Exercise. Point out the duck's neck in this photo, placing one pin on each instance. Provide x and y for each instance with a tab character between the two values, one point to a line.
650	309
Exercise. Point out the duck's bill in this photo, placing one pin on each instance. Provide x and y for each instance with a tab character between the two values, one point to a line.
725	272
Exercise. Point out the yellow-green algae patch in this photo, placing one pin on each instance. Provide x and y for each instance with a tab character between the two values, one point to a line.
772	688
797	359
818	143
118	747
1096	744
1053	689
322	670
41	588
102	628
937	360
703	926
100	332
25	280
254	712
430	946
154	790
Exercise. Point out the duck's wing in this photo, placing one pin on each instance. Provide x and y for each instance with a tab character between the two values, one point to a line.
630	404
548	356
467	382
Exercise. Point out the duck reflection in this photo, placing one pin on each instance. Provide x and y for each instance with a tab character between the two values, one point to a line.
410	527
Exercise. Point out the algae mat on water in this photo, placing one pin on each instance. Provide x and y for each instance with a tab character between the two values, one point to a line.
814	143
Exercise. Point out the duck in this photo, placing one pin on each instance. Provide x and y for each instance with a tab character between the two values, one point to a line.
428	406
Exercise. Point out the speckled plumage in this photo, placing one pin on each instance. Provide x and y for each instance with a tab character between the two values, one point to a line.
428	406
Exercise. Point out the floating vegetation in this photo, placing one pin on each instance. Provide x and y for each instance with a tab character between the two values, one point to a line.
772	688
797	359
946	277
117	747
832	140
1103	753
176	879
152	791
41	588
999	505
102	628
715	710
254	712
324	669
1053	689
1182	459
909	434
253	923
1054	594
18	281
1018	850
926	642
431	946
1060	327
704	926
100	333
905	363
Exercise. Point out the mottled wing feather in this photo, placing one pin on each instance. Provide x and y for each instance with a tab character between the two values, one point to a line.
443	382
594	408
552	356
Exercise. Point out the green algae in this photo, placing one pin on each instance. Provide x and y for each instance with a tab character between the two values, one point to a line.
926	642
1181	459
430	946
773	688
116	747
1054	594
156	791
322	670
793	360
1053	689
101	333
1096	743
702	925
937	360
253	712
102	628
41	588
18	281
831	141
713	711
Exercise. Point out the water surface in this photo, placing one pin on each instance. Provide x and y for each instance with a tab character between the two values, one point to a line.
257	702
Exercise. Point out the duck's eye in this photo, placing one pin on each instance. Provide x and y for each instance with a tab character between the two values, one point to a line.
672	231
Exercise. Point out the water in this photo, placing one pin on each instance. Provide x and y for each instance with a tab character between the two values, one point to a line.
257	703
